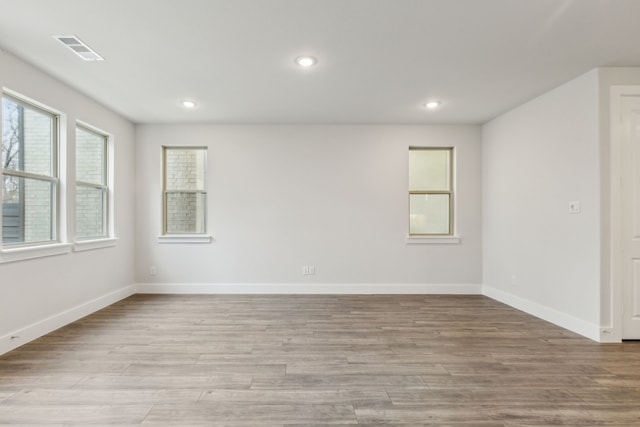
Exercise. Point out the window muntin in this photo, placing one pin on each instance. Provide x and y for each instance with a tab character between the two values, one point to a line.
29	173
91	184
184	190
430	191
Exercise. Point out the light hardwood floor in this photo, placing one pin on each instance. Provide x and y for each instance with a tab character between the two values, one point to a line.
318	360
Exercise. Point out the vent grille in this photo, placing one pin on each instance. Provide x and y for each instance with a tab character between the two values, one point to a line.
80	48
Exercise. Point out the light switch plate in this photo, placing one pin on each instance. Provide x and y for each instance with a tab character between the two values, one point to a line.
574	207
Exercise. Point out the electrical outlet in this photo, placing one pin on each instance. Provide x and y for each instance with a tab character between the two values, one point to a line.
153	270
308	270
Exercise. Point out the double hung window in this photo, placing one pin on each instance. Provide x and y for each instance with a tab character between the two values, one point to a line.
30	183
184	190
430	191
92	191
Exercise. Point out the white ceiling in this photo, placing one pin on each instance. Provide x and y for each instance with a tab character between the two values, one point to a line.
378	59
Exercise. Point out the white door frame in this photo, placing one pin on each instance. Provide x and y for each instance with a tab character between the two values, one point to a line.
614	332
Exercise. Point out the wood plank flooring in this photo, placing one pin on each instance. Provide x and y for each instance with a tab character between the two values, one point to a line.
228	360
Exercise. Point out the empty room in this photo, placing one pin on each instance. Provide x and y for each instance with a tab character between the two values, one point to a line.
320	212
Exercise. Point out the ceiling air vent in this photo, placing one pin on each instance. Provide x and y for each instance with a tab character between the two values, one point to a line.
79	48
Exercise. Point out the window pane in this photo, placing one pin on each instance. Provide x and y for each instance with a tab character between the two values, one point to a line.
89	212
429	214
27	208
90	157
185	212
185	169
429	170
27	138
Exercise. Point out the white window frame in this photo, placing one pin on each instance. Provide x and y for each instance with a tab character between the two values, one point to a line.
166	237
436	238
108	238
55	246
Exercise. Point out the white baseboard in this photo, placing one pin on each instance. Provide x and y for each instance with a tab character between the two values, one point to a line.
40	328
586	329
298	288
43	327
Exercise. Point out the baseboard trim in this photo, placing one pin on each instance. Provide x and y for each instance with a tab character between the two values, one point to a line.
566	321
50	324
299	288
29	333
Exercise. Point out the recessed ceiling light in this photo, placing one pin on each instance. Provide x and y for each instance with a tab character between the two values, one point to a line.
306	61
431	105
188	103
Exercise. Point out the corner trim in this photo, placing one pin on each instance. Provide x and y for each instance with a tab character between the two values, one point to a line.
29	333
566	321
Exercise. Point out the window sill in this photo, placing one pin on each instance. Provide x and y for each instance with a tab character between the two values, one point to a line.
89	245
29	252
185	238
433	240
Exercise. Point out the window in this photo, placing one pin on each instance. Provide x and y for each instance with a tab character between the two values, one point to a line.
184	190
430	191
92	191
30	183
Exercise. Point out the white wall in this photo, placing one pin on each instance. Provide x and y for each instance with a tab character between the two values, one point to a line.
537	158
335	197
41	293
